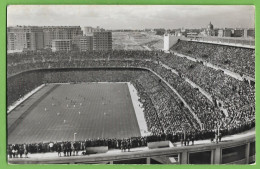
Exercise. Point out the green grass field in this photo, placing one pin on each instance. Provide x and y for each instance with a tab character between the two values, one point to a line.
92	110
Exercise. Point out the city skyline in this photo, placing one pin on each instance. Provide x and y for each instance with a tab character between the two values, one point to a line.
132	17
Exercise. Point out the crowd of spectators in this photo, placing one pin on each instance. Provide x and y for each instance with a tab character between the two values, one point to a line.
238	96
72	148
237	59
18	86
164	112
206	111
69	148
168	114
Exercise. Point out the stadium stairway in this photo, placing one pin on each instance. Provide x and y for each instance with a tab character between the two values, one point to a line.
227	72
185	103
194	85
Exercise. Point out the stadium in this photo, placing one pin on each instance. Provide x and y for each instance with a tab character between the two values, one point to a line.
133	106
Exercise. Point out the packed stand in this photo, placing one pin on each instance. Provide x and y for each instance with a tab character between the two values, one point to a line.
237	59
164	112
169	115
238	96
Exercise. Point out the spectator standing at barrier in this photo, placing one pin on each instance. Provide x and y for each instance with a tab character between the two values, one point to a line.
144	143
13	152
128	144
124	142
16	152
59	149
117	144
73	148
55	146
64	146
192	139
219	136
85	146
181	141
21	151
25	147
69	148
125	145
76	147
122	145
39	147
163	137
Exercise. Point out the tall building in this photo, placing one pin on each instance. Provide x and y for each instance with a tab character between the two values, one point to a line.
102	41
249	33
224	33
216	31
60	32
61	45
238	33
20	38
83	43
88	30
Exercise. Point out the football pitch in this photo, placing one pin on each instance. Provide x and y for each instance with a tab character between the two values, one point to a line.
91	110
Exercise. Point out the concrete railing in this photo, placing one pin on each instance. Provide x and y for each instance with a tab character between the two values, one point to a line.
183	154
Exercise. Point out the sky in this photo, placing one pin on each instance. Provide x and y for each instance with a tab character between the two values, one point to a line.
132	16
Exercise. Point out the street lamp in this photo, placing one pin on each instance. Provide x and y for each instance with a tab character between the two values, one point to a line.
75	137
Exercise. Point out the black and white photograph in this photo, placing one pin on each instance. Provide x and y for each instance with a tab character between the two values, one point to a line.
130	84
